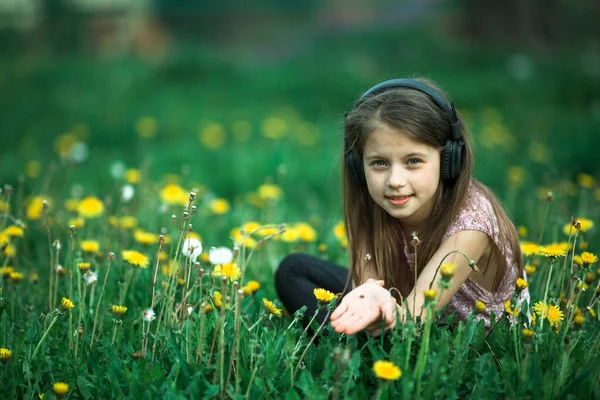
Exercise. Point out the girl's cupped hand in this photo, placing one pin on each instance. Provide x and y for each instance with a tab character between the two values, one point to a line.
363	308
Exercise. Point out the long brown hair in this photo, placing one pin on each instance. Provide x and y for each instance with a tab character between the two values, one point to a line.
370	229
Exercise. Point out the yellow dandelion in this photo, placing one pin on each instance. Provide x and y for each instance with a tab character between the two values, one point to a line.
269	192
290	235
60	389
554	251
251	226
5	354
35	208
208	308
577	259
516	176
14	231
238	238
522	231
480	306
230	271
387	370
90	246
78	222
521	284
128	222
6	271
447	270
585	224
429	295
322	248
218	299
173	194
145	238
527	334
323	296
550	312
250	288
590	277
16	277
305	232
66	304
529	249
84	266
588	258
578	321
586	181
271	308
274	127
511	309
213	135
530	270
219	206
33	169
133	176
135	258
90	207
119	310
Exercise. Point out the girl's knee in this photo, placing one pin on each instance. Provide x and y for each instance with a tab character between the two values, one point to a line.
288	267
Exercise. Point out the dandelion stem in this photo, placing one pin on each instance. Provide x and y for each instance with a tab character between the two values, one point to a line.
50	302
110	258
311	342
545	307
45	334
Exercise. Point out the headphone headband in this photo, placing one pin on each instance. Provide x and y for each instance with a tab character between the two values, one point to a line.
420	87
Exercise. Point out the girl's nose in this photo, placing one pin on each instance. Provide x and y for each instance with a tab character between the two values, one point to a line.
397	177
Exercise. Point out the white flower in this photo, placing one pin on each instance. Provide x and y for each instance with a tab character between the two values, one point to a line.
192	248
90	278
117	169
220	255
190	309
59	269
149	315
127	193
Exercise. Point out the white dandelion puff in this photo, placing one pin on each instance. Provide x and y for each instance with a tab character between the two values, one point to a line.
220	255
192	248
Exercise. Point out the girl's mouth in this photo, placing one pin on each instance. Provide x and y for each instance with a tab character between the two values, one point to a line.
399	200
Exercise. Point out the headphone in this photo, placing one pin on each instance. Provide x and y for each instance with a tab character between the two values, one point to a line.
452	153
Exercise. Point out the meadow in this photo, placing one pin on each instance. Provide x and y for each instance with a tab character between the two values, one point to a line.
145	208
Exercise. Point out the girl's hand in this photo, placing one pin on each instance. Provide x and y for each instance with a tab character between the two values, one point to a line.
363	308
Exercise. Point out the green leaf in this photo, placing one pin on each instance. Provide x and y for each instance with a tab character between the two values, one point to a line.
83	385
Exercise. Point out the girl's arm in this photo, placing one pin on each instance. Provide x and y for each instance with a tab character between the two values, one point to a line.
366	304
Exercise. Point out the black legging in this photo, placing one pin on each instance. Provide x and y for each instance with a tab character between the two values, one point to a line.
299	274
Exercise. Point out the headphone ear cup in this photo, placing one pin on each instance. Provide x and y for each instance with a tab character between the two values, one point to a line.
451	159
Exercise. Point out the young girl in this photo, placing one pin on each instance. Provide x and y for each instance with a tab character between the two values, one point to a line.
408	185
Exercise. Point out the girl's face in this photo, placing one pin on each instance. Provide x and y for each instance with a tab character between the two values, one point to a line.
402	175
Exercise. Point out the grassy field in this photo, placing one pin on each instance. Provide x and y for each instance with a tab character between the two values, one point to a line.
113	148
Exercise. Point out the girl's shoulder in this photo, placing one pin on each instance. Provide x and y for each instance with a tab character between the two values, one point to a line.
477	214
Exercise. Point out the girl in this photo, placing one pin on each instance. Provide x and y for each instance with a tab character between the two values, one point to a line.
407	184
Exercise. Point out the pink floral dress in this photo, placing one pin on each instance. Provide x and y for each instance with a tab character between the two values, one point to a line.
479	215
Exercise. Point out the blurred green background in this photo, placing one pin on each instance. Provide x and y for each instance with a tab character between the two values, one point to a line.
230	95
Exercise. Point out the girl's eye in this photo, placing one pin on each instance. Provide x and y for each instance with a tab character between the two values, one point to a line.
413	161
379	163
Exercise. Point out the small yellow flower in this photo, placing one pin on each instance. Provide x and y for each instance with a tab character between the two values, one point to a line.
146	127
269	192
35	207
586	181
340	234
480	306
549	311
66	304
323	296
145	238
174	194
522	231
6	271
429	294
14	231
521	284
322	248
585	225
72	205
590	277
387	370
290	235
78	222
577	259
530	270
250	288
554	251
230	270
5	354
84	266
16	277
529	249
60	389
180	282
588	258
527	334
208	308
213	135
271	308
135	258
447	270
583	245
511	309
133	176
218	299
305	232
219	206
90	207
578	321
128	222
119	310
90	246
